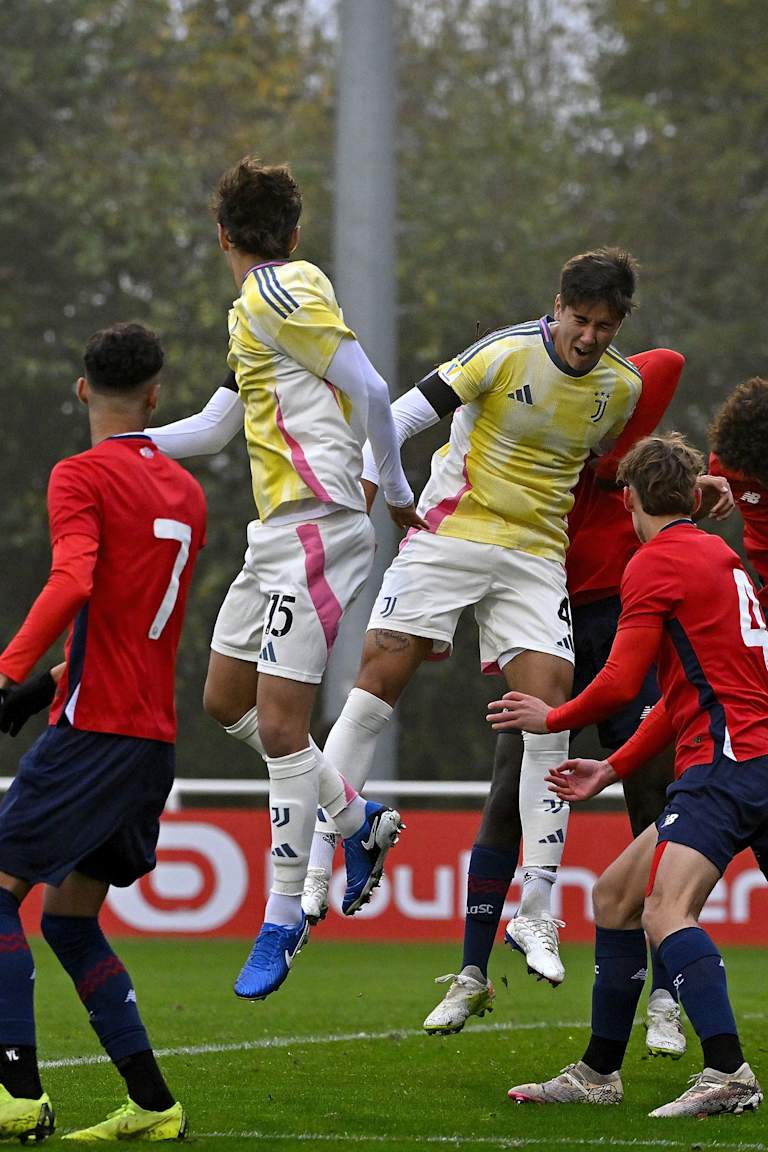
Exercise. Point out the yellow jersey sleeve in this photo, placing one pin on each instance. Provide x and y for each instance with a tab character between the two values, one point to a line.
298	314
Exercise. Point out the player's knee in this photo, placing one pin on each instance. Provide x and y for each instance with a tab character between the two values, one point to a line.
613	906
220	707
69	936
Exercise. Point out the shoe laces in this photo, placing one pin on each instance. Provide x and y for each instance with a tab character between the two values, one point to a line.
544	928
125	1109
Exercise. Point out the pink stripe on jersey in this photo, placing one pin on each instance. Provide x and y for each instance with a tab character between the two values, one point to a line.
299	460
326	605
447	506
334	392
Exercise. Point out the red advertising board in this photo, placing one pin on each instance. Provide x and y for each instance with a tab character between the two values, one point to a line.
213	869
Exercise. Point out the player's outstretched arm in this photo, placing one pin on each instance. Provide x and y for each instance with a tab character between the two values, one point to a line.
208	431
580	779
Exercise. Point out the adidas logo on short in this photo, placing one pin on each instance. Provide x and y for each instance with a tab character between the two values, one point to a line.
268	653
523	395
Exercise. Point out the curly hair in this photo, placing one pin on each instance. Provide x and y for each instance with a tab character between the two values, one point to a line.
121	358
607	274
739	430
663	470
258	207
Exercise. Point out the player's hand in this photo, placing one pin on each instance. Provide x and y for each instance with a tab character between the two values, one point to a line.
716	497
516	710
407	518
19	703
580	779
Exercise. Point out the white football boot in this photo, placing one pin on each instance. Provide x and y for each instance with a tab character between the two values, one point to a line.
712	1092
664	1034
314	898
539	942
466	996
576	1084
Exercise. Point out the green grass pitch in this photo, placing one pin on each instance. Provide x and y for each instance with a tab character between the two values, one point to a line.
336	1058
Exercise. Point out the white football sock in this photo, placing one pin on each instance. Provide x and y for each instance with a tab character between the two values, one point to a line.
293	796
536	898
339	799
285	910
351	743
543	817
247	730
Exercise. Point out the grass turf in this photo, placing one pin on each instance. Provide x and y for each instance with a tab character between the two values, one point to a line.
336	1058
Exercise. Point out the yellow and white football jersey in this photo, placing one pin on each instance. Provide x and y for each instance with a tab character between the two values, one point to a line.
520	439
283	333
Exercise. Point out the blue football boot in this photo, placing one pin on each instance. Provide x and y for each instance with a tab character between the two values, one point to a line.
272	955
365	851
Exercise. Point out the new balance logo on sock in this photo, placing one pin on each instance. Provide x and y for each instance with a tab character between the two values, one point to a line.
522	394
268	653
284	850
640	974
553	838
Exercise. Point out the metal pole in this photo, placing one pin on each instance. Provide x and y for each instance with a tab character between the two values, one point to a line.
365	277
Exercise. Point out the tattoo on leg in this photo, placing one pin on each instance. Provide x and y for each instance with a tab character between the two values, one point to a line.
391	641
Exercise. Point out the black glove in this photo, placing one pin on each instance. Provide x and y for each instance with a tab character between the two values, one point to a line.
19	703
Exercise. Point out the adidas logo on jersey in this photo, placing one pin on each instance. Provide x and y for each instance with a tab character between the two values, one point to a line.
523	395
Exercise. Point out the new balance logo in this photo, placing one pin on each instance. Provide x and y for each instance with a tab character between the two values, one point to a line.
285	851
670	819
523	395
268	653
751	497
554	838
640	975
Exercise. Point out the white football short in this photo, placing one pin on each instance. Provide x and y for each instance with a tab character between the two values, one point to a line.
520	600
283	610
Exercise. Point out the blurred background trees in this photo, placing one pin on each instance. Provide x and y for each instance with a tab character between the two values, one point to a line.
528	130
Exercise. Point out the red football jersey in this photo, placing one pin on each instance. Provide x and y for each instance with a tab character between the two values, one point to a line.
148	515
600	530
752	500
713	658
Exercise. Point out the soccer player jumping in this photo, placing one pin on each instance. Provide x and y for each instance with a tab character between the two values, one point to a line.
83	810
687	604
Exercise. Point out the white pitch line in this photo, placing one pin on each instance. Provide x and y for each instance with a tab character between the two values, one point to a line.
300	1041
480	1141
333	1038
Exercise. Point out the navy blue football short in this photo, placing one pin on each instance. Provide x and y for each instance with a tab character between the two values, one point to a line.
719	809
594	629
87	801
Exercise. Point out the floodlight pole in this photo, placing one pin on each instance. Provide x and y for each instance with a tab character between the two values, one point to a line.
364	276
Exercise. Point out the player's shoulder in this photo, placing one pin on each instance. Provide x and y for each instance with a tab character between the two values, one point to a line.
493	345
279	288
622	366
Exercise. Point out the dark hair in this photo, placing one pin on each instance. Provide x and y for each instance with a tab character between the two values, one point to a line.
121	358
739	431
258	207
608	274
663	470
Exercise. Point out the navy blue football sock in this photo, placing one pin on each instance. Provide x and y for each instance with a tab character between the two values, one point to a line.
698	972
620	960
101	981
661	979
490	875
17	977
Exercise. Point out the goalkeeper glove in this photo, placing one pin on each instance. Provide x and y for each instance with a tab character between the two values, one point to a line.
19	703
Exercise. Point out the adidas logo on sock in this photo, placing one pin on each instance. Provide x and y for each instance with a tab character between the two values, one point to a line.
523	395
554	838
640	974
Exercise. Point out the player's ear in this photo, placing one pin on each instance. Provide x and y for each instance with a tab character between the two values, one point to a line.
153	395
697	496
293	243
224	241
627	497
81	390
558	307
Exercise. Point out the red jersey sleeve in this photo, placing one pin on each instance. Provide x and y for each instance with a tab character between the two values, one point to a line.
618	682
74	506
651	737
660	369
